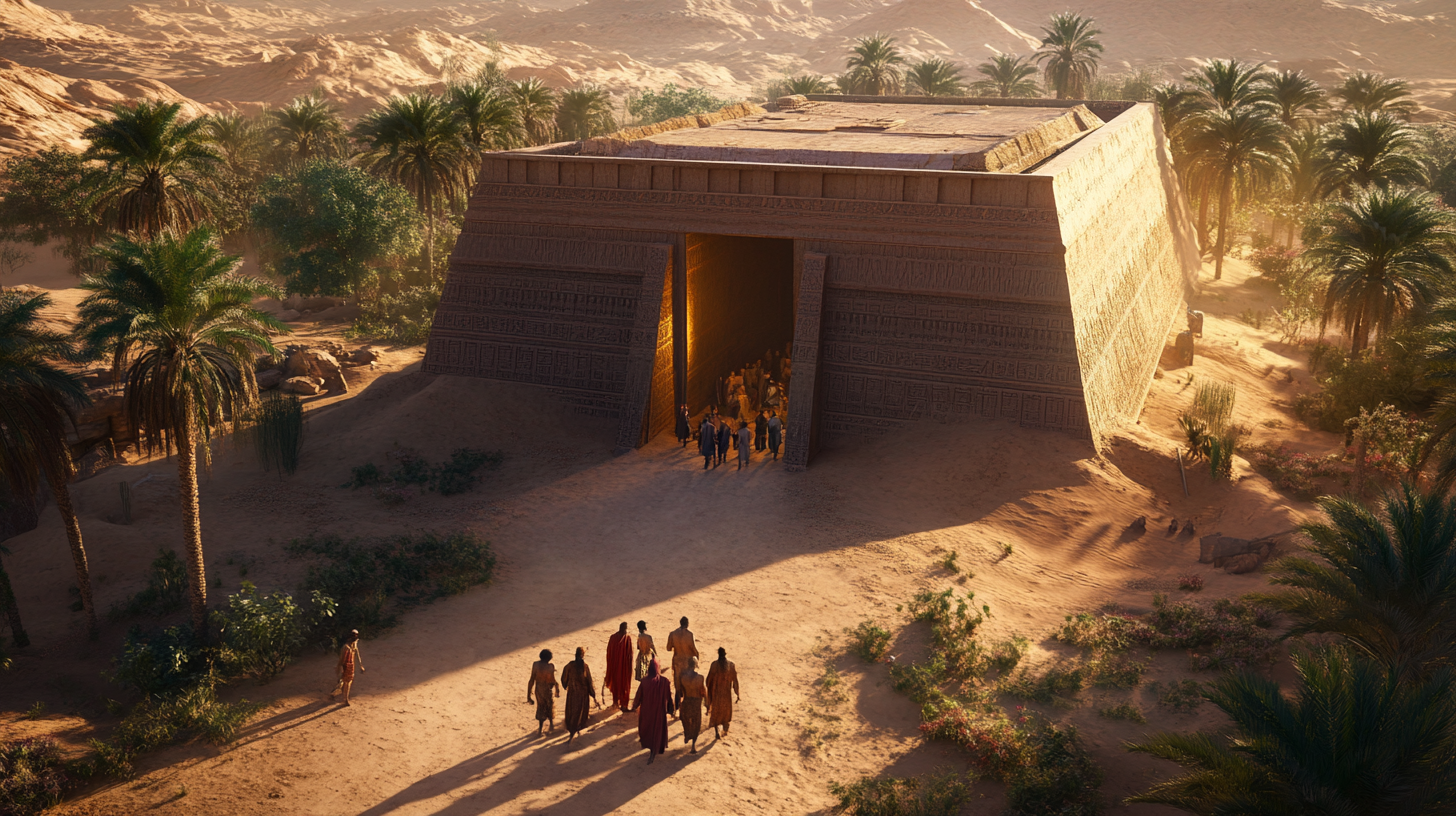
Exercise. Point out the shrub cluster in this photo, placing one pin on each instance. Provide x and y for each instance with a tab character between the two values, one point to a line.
1221	635
404	319
165	592
1296	473
870	641
940	795
33	776
409	469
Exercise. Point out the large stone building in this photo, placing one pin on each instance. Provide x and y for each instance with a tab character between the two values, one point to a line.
928	258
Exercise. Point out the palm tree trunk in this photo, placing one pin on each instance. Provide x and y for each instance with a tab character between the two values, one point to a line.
192	524
1223	207
62	492
12	610
1204	198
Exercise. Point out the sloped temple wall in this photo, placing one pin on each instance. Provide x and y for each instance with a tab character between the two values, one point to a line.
1131	257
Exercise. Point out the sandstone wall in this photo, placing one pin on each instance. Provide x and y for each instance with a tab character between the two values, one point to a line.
1130	257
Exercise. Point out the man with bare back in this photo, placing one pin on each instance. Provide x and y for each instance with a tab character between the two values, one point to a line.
680	642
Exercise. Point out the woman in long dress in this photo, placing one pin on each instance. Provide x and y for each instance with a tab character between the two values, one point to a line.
652	704
722	692
646	651
577	680
543	683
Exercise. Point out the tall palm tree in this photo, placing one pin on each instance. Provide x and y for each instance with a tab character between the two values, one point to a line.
806	84
1223	85
1309	171
239	140
1385	579
874	65
584	111
488	116
1374	149
1364	92
174	313
37	399
309	127
1007	76
417	142
535	105
1297	99
1239	150
1069	54
1387	253
157	170
935	77
1354	740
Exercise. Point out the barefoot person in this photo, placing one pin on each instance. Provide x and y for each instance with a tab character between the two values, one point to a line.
577	680
646	651
348	659
652	704
543	683
619	668
722	692
690	711
680	643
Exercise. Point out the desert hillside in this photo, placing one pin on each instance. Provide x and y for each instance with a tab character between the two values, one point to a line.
66	60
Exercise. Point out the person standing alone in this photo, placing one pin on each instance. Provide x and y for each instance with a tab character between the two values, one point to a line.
684	425
348	660
745	443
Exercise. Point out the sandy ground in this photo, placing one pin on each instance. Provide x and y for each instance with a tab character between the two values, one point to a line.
772	566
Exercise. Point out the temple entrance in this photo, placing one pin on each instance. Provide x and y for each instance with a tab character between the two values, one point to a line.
738	309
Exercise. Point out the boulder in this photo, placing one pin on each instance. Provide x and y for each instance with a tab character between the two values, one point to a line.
317	363
288	315
1240	564
342	313
268	305
364	356
269	379
305	386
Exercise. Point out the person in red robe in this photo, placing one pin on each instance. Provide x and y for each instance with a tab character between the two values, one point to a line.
618	679
653	704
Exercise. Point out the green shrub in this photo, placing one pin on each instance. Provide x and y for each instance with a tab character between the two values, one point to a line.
463	470
372	581
1392	373
457	475
162	662
192	712
1181	695
261	634
1224	634
33	776
404	319
940	795
952	630
1007	654
1112	671
870	641
166	589
1123	711
1059	683
367	475
276	427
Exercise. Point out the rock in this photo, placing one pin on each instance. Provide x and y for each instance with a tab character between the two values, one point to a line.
269	379
1216	548
1139	525
364	355
342	313
293	302
1188	528
1240	564
318	304
305	386
1173	527
288	315
307	362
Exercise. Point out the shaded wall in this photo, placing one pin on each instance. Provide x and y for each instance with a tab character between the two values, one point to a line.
740	303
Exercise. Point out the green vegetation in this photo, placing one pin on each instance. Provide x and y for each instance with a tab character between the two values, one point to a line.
1182	695
670	102
457	475
935	77
1069	54
33	776
166	589
874	67
1007	75
870	641
276	426
940	795
1208	426
1122	711
404	319
1221	635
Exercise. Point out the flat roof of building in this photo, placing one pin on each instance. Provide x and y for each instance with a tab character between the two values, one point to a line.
926	136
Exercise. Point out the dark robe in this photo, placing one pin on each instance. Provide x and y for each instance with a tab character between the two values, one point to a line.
775	434
725	438
760	432
708	440
684	430
619	669
653	703
577	680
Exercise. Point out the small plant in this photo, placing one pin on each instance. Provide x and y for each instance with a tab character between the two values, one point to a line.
1059	684
1191	583
409	469
166	589
948	563
1005	655
869	641
1007	550
1111	671
367	475
1045	767
263	633
943	794
33	776
276	426
1183	695
1123	711
36	711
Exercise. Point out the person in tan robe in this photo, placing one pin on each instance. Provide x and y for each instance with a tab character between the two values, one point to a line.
722	692
694	692
543	683
680	643
577	680
646	651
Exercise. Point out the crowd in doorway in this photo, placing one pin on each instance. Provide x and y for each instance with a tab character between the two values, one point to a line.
755	404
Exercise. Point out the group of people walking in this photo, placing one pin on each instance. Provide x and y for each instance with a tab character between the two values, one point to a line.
716	435
686	697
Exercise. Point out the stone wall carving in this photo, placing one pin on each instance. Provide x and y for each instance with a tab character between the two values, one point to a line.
803	387
645	352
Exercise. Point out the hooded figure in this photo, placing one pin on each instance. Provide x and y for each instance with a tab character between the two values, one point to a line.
684	428
725	440
708	442
652	704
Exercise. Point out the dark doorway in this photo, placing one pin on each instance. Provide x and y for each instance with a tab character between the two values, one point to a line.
739	304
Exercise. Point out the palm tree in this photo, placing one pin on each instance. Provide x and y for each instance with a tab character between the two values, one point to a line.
488	116
158	170
535	105
1177	108
1374	149
1309	172
806	84
18	634
1387	253
585	111
1069	54
1006	76
175	315
36	403
874	65
417	142
309	127
1223	85
1353	740
1296	98
1239	150
1364	92
238	140
935	77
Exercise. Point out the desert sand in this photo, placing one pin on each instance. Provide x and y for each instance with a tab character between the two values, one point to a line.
63	61
771	565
